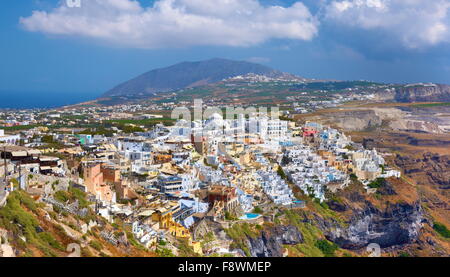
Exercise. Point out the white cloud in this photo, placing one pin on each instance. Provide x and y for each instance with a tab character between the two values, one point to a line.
416	23
176	23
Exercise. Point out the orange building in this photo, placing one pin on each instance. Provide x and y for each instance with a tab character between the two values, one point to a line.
94	180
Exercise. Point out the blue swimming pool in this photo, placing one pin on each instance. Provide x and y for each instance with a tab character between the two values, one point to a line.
250	216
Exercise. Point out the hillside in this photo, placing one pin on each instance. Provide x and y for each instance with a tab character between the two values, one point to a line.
190	74
30	228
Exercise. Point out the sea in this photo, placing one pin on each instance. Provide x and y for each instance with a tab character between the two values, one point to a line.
31	100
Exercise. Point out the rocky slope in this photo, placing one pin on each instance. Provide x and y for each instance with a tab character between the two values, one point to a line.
269	243
430	169
30	228
397	225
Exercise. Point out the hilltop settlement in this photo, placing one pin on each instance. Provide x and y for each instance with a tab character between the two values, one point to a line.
176	183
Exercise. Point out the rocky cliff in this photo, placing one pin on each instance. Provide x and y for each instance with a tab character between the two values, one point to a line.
270	241
423	93
266	241
396	225
430	169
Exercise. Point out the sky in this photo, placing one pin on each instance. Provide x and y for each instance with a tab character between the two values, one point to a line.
84	48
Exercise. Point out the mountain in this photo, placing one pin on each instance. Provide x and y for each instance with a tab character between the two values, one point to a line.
191	74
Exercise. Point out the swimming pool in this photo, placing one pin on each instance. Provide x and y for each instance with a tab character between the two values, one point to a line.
250	216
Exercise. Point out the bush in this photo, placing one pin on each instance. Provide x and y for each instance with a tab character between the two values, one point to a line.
281	173
378	183
50	240
229	216
79	195
162	243
164	252
96	245
62	196
258	210
441	229
327	248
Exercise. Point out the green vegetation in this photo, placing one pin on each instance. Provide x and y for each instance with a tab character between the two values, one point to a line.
184	249
148	123
431	105
48	139
19	128
62	196
72	195
129	129
327	248
239	234
441	229
311	235
404	255
258	210
134	242
18	218
50	240
164	252
281	173
96	245
378	183
229	216
79	195
162	242
334	86
350	148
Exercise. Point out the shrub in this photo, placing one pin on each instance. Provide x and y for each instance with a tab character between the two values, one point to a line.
162	243
404	255
62	196
50	240
441	229
327	248
258	210
164	252
281	173
96	245
79	195
378	183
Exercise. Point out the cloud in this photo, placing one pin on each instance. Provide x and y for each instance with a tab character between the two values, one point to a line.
176	23
413	23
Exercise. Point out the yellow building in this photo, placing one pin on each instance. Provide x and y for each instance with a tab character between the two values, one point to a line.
165	219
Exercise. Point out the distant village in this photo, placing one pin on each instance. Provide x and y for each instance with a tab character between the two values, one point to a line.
166	179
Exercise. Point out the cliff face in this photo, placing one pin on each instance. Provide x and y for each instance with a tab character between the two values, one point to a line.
397	225
356	120
271	241
430	169
431	93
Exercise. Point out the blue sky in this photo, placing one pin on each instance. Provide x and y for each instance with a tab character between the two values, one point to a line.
88	50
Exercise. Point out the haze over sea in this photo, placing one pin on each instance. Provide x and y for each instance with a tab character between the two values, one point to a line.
28	100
